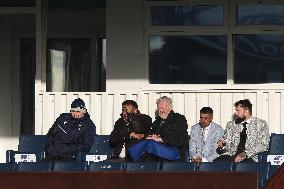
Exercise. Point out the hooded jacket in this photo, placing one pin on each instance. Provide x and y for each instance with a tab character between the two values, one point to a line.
68	136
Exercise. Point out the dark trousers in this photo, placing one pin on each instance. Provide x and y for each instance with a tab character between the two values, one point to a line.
228	158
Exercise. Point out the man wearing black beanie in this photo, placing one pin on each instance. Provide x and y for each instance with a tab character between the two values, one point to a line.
70	134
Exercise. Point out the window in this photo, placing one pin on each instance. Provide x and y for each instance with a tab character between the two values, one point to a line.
74	65
188	59
260	14
259	58
215	42
187	15
68	66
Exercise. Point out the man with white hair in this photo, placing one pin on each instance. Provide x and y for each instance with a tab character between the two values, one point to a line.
71	133
168	139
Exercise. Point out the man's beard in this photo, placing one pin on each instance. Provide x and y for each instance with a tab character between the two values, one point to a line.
238	119
163	115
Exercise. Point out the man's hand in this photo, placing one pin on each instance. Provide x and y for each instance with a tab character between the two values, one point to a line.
155	138
221	143
137	136
240	157
196	159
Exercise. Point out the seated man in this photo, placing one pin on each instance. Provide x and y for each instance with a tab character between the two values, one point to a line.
168	139
245	136
129	129
71	133
204	137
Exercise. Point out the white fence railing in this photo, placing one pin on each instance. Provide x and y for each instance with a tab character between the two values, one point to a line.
104	108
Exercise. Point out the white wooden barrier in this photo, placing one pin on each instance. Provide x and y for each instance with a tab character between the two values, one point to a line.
104	108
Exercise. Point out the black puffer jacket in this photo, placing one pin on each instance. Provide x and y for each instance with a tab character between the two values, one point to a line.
138	123
68	136
173	131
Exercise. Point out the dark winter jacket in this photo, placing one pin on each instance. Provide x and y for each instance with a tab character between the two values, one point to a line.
68	136
173	131
138	123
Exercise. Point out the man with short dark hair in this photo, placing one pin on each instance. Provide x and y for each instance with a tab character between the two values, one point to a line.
204	137
70	134
245	136
130	128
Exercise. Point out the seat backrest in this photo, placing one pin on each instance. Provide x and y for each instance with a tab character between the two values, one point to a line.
216	166
106	166
7	167
179	166
143	166
101	146
276	144
69	166
34	166
262	168
32	143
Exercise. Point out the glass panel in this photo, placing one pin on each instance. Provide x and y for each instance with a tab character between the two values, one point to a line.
69	65
58	64
202	15
259	58
260	15
188	59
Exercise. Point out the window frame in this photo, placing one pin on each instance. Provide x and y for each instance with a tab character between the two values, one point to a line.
229	29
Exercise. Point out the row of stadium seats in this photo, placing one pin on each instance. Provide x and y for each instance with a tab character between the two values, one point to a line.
31	148
264	170
34	145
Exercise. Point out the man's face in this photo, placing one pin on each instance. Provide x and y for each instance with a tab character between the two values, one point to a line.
163	109
126	109
205	120
77	114
240	114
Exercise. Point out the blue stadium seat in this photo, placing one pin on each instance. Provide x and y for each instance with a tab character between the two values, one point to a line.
262	168
143	166
7	167
275	147
28	144
32	143
69	166
179	166
106	166
216	166
34	166
101	146
276	144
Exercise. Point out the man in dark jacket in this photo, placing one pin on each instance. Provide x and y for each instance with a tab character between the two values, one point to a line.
168	139
129	129
71	133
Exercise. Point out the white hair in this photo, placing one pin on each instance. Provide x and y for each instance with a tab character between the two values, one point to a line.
165	99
